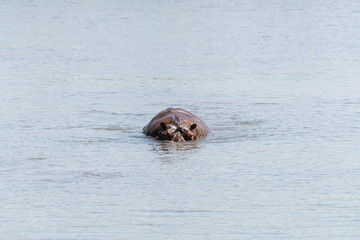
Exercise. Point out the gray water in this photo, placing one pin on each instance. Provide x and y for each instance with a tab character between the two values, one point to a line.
276	81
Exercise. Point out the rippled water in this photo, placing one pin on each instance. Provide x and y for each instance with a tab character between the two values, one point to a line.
276	81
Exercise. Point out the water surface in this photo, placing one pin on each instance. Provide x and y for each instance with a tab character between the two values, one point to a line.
276	81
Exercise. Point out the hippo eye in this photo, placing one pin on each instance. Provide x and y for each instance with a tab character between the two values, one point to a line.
192	135
188	136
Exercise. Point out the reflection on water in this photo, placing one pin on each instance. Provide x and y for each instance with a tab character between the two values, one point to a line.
170	152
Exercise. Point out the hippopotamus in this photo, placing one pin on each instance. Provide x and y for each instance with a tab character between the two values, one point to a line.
177	125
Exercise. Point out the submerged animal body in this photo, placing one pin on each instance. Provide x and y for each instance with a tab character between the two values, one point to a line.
177	125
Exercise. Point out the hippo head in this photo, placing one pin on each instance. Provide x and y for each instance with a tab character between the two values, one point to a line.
177	132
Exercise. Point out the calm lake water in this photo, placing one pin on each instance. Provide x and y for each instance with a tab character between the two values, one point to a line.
277	82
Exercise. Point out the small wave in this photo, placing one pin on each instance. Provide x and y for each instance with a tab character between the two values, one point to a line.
36	158
265	103
102	175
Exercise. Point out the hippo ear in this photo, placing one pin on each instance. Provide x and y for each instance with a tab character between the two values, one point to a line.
192	127
163	125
